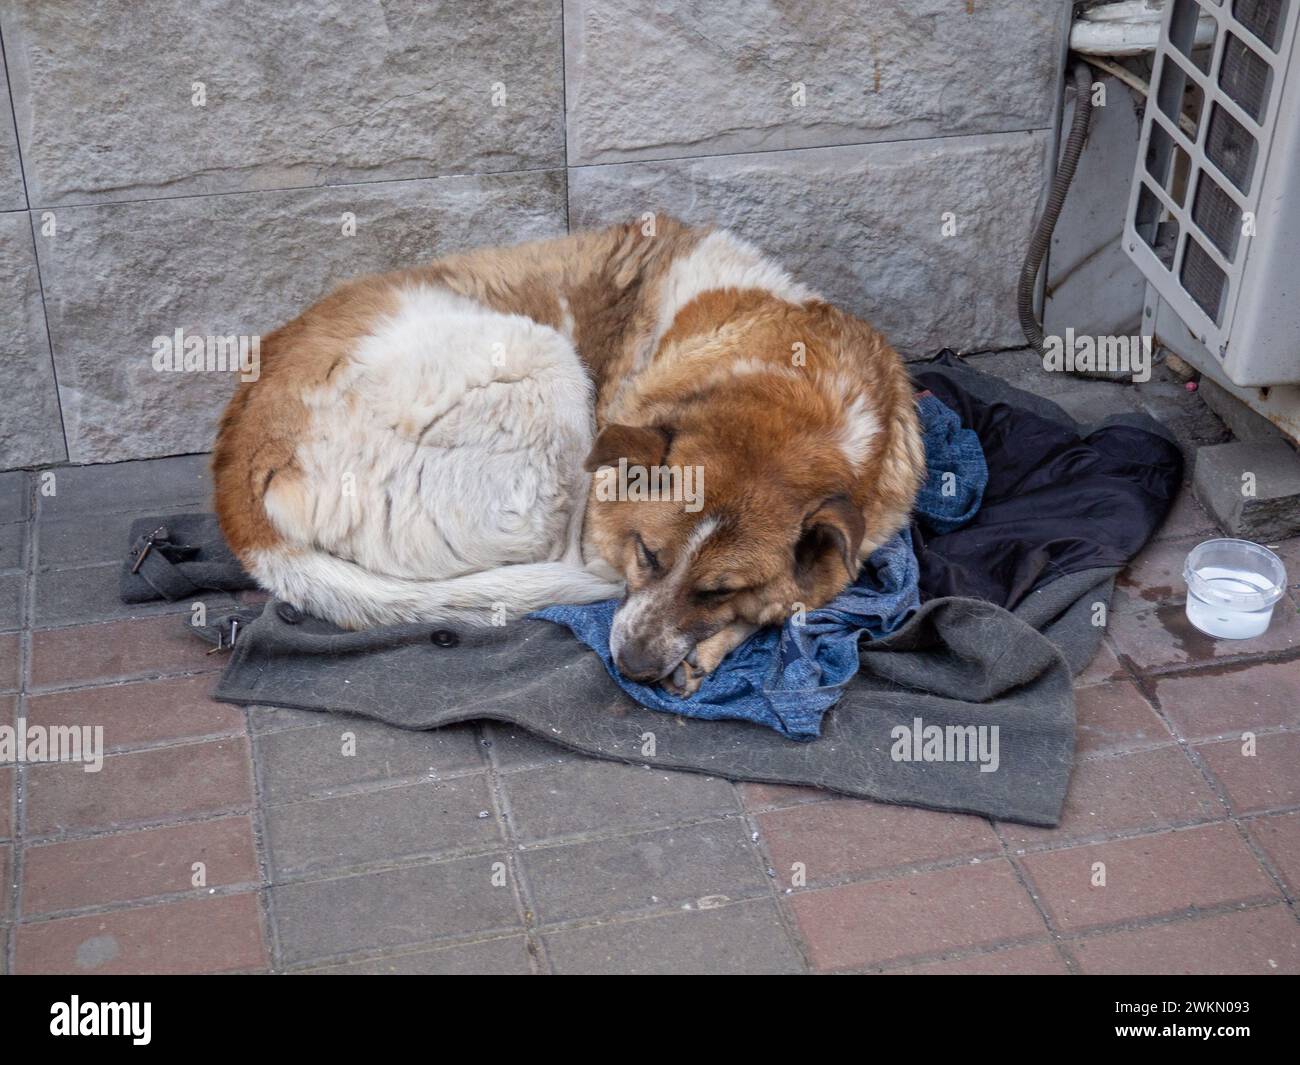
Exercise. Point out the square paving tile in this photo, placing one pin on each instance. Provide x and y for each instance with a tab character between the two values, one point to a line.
213	935
393	908
345	751
1279	837
1229	700
141	488
1259	781
15	496
139	713
166	783
587	795
670	868
1039	960
1163	638
859	925
1148	876
9	652
13	539
12	591
744	937
1155	577
139	865
849	837
1115	717
395	824
1148	789
1260	941
118	650
507	956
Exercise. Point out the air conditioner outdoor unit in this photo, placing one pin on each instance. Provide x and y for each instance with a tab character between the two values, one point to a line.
1213	219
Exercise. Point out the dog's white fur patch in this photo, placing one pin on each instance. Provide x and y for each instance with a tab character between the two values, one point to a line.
859	427
720	261
451	443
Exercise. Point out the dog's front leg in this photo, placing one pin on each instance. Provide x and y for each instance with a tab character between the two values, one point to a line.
685	680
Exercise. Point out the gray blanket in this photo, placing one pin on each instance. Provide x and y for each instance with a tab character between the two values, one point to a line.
958	662
968	707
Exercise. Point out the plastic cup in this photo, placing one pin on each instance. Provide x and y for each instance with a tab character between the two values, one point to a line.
1232	586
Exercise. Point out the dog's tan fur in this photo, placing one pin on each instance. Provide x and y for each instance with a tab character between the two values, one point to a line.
753	387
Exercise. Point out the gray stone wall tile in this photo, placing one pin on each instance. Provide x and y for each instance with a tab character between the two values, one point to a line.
117	276
13	196
680	78
30	431
863	225
296	94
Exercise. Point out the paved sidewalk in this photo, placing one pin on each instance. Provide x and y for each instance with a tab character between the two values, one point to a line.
474	849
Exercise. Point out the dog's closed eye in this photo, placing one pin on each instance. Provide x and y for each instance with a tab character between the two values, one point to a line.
713	595
648	559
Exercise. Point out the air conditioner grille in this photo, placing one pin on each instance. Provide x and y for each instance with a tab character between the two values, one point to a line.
1218	215
1245	77
1207	223
1204	281
1229	147
1264	18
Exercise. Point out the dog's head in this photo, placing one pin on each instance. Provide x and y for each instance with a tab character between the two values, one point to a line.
720	517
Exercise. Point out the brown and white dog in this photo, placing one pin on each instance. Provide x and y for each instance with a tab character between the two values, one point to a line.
419	445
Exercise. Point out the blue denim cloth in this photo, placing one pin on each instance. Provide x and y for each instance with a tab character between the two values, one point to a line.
787	678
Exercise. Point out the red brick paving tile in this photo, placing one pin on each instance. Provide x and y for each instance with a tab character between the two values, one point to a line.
848	836
1160	638
765	796
1227	700
1148	876
1104	666
117	650
1148	789
9	663
1263	940
137	865
1268	778
168	782
220	934
1115	716
7	785
857	925
147	712
1041	960
1279	836
1154	577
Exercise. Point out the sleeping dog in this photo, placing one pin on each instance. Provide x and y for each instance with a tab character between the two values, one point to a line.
420	445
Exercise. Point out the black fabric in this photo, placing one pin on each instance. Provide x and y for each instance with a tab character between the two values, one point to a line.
1056	502
1001	658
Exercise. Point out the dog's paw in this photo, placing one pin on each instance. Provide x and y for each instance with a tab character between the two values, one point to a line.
685	680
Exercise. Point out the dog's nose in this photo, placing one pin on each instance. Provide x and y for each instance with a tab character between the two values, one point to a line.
635	664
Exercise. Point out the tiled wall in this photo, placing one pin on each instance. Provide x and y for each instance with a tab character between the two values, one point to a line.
193	164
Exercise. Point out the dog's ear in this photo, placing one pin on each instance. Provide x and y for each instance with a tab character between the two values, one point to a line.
831	536
641	445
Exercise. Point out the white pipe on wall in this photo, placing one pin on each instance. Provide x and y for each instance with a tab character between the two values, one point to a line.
1130	27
